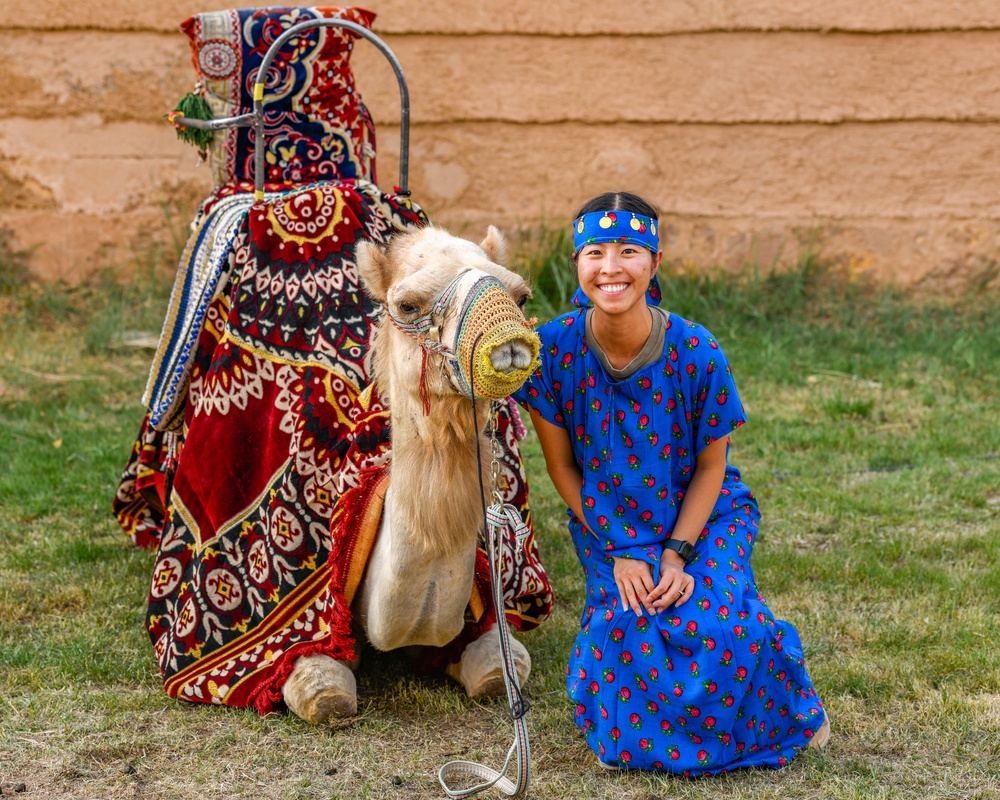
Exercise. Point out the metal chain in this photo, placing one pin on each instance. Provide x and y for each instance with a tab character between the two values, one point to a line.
496	452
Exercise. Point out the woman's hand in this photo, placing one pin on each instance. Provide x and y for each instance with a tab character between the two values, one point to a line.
635	580
675	586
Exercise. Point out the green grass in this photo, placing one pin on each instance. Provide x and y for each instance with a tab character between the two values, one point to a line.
872	446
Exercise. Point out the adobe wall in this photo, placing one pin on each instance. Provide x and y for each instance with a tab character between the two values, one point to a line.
869	127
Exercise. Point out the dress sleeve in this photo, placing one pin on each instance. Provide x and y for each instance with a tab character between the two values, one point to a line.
652	554
542	390
718	410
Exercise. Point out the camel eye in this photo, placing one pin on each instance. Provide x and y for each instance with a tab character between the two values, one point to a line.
522	301
408	308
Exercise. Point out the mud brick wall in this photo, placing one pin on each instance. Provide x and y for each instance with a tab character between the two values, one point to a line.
872	129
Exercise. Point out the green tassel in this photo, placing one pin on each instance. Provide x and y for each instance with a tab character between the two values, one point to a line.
196	107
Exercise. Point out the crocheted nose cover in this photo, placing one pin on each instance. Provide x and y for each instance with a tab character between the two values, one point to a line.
490	316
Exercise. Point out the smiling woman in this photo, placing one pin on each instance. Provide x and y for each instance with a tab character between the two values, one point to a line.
617	256
633	408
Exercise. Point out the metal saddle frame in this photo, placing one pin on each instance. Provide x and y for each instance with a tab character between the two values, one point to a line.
255	119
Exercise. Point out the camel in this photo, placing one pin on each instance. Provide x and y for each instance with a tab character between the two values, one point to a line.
418	578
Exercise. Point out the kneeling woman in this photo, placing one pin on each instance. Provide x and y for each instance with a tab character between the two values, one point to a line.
679	664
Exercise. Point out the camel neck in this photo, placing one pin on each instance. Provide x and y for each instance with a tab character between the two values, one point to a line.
434	471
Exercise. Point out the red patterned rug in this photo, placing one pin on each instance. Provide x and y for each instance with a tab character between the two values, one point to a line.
265	507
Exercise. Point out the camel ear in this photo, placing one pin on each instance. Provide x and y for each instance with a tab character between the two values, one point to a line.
495	246
374	268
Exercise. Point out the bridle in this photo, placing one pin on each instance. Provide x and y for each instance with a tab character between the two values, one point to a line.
488	310
498	518
426	330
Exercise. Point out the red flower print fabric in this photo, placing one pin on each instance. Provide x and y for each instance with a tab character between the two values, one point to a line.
717	684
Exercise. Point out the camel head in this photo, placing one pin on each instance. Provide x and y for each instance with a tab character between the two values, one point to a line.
450	302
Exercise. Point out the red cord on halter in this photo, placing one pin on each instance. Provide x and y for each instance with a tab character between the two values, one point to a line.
425	398
427	345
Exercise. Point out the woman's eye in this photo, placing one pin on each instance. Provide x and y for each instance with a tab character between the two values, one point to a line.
408	308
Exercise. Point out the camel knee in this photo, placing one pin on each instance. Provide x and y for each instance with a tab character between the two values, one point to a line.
480	670
321	689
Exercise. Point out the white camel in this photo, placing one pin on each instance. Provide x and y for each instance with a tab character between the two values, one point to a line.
419	576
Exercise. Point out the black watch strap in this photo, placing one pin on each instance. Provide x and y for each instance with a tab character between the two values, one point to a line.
684	549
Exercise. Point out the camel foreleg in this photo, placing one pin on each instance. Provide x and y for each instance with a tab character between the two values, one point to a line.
480	669
321	689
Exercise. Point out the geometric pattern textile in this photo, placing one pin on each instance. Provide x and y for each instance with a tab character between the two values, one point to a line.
272	492
201	274
314	121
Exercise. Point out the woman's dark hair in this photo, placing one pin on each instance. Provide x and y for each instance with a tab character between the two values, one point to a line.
618	201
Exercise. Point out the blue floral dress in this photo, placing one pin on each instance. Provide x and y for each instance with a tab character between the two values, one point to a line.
718	683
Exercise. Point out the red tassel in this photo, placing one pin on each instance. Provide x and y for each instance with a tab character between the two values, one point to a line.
425	398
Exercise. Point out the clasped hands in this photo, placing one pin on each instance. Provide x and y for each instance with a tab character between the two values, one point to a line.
637	590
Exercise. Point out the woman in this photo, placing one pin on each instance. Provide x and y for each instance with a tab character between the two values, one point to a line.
679	665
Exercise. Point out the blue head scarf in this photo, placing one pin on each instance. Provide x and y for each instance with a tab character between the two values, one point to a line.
617	226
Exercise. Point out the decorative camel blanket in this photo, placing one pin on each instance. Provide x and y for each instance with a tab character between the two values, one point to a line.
202	274
265	509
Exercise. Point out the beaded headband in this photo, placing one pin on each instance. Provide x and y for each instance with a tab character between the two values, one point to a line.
615	226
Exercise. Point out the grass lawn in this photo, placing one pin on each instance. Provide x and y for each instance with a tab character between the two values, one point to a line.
873	447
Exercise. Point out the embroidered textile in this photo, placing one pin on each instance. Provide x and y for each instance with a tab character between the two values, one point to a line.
315	124
207	258
272	496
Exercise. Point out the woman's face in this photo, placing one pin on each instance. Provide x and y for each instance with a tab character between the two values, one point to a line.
615	276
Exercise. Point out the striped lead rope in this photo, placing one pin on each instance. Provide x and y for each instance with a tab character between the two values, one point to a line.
500	517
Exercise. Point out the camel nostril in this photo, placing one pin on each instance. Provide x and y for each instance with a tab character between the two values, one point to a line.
501	358
522	359
511	356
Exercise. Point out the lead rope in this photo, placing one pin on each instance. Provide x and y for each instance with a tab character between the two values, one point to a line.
498	517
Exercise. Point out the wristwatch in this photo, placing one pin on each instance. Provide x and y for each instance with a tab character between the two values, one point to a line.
684	549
